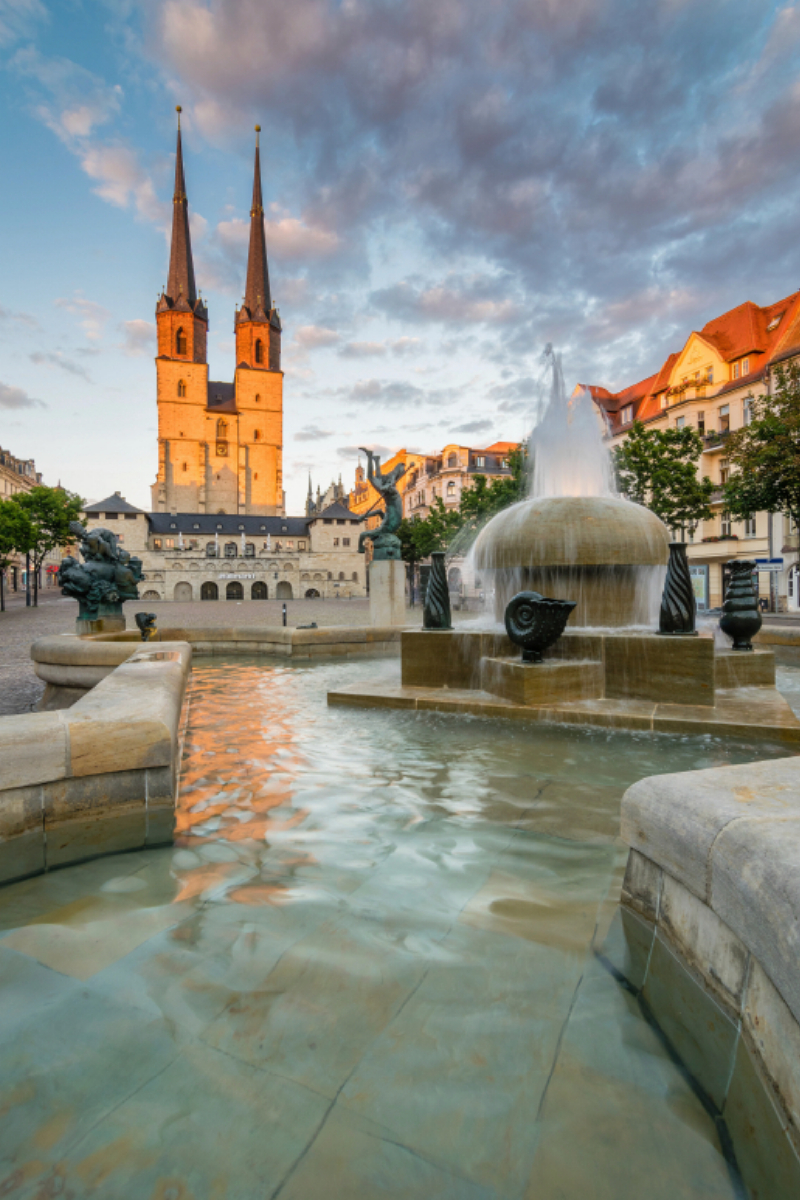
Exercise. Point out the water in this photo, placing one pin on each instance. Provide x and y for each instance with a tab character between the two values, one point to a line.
567	450
367	969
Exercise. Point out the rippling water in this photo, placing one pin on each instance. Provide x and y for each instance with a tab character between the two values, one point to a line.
366	969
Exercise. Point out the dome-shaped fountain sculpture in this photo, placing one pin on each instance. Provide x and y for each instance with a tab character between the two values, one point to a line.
596	550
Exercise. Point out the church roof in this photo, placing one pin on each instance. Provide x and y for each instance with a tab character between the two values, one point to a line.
257	304
227	525
181	290
115	504
221	396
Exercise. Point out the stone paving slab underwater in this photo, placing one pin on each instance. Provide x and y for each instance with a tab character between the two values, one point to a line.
368	967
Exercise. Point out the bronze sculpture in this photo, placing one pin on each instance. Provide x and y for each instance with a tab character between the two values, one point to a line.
385	543
106	578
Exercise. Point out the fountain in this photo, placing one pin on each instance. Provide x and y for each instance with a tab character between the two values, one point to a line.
631	656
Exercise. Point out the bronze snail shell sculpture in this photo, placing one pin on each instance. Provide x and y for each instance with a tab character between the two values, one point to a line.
535	622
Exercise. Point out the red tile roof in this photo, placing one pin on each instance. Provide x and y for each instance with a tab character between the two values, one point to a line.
743	331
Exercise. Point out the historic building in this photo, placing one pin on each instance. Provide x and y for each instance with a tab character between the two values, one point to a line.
333	494
707	385
20	475
227	556
450	473
220	444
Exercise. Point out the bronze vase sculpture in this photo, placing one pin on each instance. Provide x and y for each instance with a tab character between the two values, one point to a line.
535	622
740	618
436	614
678	605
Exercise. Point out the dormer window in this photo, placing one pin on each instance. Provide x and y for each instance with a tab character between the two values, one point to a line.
180	342
181	388
626	416
259	350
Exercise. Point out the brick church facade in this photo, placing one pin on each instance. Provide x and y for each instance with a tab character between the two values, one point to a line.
220	444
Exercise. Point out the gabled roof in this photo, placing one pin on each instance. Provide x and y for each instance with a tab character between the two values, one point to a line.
221	396
336	511
114	503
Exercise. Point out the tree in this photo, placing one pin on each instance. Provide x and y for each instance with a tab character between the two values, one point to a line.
765	455
49	512
658	468
15	538
485	498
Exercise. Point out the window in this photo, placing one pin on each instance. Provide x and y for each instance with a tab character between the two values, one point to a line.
259	351
452	460
111	516
749	527
345	541
130	516
211	550
745	366
774	323
181	388
258	398
230	549
726	525
256	435
480	461
180	342
222	429
735	370
709	374
724	472
355	576
626	416
341	576
725	418
169	544
747	410
451	489
336	541
338	522
290	545
680	422
663	401
701	422
301	545
185	467
327	520
249	550
156	543
195	526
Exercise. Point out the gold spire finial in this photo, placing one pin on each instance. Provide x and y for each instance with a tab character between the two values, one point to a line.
258	131
178	110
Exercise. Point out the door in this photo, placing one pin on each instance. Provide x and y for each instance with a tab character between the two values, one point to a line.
183	591
283	591
209	591
259	590
234	591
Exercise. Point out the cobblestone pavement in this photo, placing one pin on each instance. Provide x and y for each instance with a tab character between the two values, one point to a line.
20	690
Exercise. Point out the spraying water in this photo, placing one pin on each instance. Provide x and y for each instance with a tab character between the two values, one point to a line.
567	452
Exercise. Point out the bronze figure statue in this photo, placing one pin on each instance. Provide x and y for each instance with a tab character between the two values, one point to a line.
385	543
106	578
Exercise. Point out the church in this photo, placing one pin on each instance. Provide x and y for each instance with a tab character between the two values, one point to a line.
220	444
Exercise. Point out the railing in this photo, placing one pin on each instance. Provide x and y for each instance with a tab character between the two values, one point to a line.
716	439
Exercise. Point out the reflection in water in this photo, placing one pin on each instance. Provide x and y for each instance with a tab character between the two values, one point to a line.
366	969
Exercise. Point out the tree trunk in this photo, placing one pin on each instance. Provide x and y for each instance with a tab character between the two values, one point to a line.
3	589
36	566
27	580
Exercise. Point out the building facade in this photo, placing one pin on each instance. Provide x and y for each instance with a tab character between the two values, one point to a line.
20	475
216	556
449	474
220	444
707	386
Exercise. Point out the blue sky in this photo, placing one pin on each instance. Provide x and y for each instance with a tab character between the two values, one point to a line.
448	187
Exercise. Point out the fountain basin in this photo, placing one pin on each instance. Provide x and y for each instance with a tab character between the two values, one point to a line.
596	550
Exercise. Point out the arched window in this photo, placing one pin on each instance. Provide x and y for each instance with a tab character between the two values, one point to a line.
230	549
259	351
256	435
211	549
180	342
341	576
452	460
249	550
451	488
181	388
222	429
355	576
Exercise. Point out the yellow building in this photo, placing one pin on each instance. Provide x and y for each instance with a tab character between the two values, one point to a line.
220	445
707	386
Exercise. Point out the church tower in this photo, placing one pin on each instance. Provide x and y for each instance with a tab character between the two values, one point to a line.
181	368
259	379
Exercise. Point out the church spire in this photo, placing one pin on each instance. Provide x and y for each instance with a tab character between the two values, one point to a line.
180	283
257	298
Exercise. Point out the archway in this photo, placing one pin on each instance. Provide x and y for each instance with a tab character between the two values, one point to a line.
183	591
283	591
209	591
234	591
151	596
312	594
259	590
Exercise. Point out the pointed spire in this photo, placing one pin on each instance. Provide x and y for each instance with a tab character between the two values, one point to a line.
180	283
257	296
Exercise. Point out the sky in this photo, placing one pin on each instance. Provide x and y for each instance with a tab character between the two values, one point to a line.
448	187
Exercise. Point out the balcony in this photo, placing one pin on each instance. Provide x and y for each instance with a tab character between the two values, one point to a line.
715	441
716	496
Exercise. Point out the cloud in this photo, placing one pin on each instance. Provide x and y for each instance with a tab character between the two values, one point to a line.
139	337
14	397
405	345
455	301
396	395
57	359
92	316
18	19
315	337
350	452
311	433
477	426
19	318
362	350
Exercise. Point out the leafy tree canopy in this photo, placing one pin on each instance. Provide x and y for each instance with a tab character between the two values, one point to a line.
765	455
48	513
658	468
